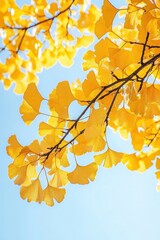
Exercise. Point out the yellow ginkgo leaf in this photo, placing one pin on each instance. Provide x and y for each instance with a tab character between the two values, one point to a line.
53	8
28	113
109	158
22	178
60	99
14	148
101	28
138	138
59	179
45	129
20	159
90	84
33	97
104	24
34	147
31	171
82	174
85	41
12	170
102	49
32	192
89	60
131	161
51	193
117	56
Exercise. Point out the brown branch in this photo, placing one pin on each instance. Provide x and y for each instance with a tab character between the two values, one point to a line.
99	96
72	140
146	74
22	38
45	20
142	44
111	105
154	137
144	47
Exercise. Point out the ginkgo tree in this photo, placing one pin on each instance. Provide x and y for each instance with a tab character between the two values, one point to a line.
121	90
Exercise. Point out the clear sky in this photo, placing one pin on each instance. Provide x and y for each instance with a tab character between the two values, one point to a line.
119	204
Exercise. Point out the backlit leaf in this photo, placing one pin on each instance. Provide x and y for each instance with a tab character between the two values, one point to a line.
82	174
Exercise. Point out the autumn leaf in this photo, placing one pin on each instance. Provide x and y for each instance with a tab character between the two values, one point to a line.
109	158
104	24
51	193
131	161
31	104
32	192
14	147
60	99
33	97
59	179
90	85
120	92
82	174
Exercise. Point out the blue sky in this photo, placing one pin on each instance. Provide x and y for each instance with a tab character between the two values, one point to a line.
119	204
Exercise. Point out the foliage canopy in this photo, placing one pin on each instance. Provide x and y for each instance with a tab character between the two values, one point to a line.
121	90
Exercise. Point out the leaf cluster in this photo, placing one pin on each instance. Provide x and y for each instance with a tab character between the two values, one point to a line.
121	91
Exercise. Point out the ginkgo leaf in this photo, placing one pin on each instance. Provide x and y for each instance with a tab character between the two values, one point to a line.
51	193
81	147
32	192
28	113
120	91
89	61
131	161
90	84
14	148
104	24
12	170
82	174
20	159
59	179
53	8
33	97
45	129
109	158
60	99
31	171
123	119
138	138
117	56
102	49
22	178
34	147
101	28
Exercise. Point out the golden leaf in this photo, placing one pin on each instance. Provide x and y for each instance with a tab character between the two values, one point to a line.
33	97
59	179
101	28
51	193
104	24
89	60
31	104
109	158
82	174
90	84
32	192
60	99
131	161
14	148
28	113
